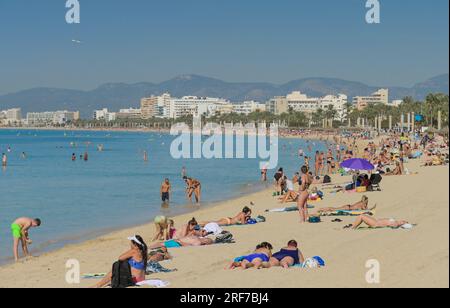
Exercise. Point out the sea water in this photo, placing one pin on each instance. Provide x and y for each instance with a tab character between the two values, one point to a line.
115	188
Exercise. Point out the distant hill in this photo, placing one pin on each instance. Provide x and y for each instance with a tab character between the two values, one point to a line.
122	95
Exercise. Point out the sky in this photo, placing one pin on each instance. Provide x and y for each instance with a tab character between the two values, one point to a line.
233	40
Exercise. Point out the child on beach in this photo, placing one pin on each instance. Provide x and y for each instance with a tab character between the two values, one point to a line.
162	229
19	229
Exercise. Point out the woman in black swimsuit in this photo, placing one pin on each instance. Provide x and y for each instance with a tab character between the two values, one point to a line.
287	256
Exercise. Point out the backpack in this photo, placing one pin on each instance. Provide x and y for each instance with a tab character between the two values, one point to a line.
121	275
326	179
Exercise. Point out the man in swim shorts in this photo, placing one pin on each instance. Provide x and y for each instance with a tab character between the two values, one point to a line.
19	230
165	191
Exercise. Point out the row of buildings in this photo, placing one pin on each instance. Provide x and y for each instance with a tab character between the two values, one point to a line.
168	107
13	117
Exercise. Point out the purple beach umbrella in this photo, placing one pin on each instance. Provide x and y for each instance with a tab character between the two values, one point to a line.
357	164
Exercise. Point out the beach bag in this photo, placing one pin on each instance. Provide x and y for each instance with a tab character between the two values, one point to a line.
251	221
326	179
121	275
314	219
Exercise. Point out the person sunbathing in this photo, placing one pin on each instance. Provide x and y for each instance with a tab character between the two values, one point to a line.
259	259
291	195
287	256
159	255
358	206
186	230
240	219
376	223
396	171
191	240
136	257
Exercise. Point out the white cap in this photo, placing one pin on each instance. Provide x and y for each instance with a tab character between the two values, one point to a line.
134	239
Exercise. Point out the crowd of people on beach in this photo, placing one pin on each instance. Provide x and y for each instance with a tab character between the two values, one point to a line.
388	156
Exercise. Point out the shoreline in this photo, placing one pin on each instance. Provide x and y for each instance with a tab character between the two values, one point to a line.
344	251
83	237
415	258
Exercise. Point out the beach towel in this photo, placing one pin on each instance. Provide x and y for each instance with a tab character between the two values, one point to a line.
153	283
287	209
155	267
93	276
348	213
213	228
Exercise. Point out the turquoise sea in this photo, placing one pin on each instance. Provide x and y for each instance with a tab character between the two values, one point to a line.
115	188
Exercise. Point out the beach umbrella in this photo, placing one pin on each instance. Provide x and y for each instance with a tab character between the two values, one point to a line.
357	164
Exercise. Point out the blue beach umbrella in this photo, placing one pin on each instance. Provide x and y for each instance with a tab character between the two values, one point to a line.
357	164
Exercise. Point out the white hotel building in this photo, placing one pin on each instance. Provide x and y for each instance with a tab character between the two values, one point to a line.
197	106
300	102
51	117
248	107
11	116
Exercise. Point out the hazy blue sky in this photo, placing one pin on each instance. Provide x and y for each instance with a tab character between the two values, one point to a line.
235	40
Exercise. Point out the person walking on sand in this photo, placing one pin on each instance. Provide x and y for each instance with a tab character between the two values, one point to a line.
165	191
19	229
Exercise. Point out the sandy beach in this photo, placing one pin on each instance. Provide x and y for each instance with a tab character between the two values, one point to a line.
414	258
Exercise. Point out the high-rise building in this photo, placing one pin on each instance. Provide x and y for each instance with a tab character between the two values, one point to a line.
379	97
277	105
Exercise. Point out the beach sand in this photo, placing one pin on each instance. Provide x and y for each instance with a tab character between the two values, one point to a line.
415	258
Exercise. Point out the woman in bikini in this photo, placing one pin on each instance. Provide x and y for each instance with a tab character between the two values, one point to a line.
377	223
302	199
193	187
358	206
240	219
259	259
136	257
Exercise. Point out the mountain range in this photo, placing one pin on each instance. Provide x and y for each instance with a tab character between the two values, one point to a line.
121	95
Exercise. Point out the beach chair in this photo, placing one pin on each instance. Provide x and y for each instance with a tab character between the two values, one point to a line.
375	180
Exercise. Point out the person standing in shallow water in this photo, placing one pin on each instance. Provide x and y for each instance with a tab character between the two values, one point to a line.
4	160
86	156
165	191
